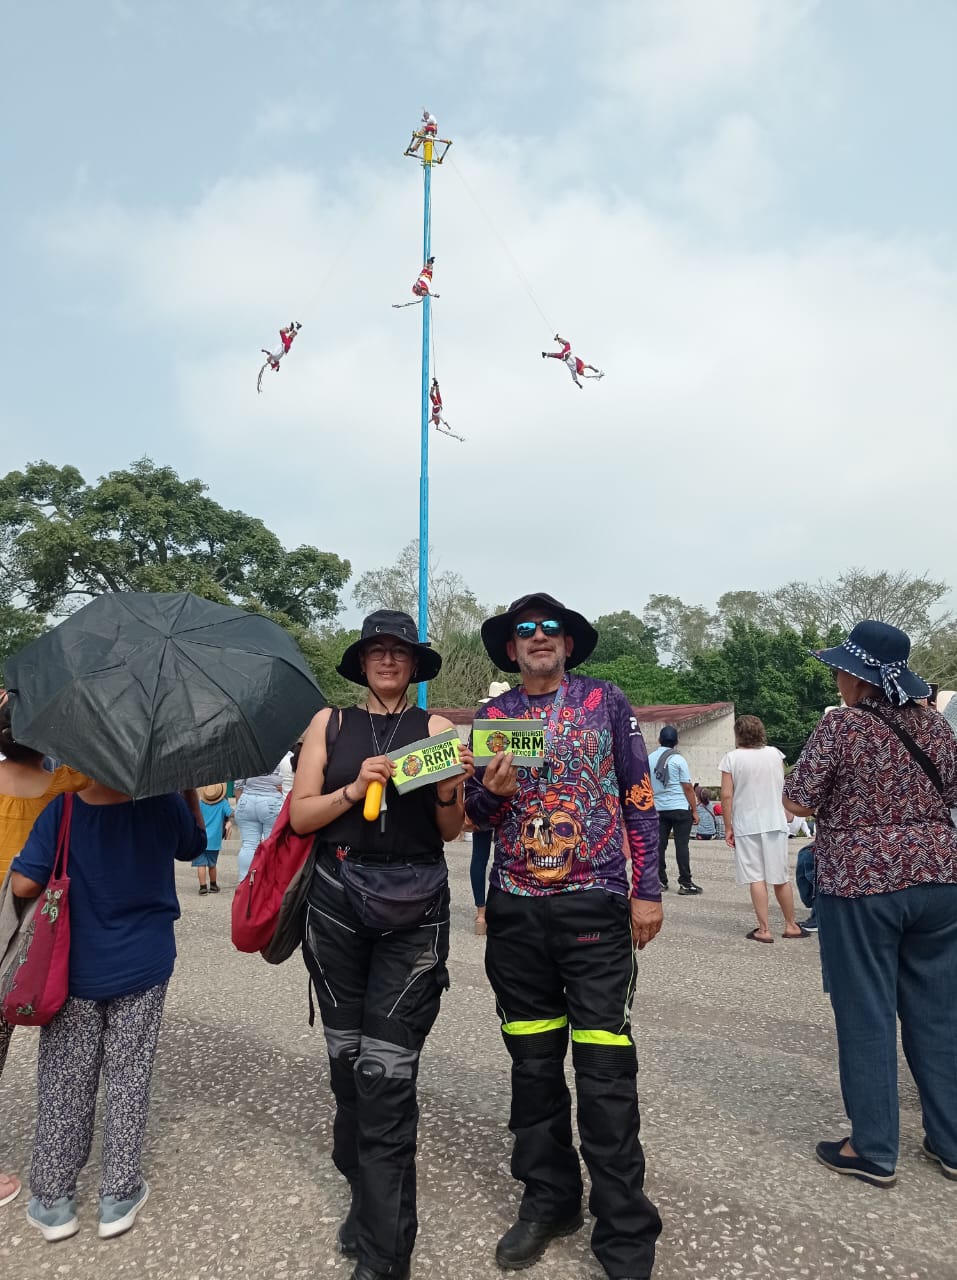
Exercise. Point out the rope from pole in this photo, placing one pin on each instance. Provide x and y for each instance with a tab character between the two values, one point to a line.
502	241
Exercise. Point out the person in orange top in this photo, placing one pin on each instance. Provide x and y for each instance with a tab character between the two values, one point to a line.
26	788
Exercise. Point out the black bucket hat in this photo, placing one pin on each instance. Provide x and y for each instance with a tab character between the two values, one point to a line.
878	653
497	631
390	622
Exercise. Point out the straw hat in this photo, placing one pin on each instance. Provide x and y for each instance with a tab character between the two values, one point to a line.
213	793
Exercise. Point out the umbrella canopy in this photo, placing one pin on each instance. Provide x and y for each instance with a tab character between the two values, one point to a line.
155	692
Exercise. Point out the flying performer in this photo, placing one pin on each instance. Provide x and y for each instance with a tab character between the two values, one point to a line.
422	286
286	337
576	366
435	395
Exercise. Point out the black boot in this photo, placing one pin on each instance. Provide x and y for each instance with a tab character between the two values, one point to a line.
362	1272
525	1242
348	1234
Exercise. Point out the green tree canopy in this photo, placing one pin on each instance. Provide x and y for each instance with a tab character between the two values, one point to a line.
769	674
623	635
643	683
63	541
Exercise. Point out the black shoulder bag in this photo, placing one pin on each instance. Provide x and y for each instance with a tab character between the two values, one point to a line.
919	755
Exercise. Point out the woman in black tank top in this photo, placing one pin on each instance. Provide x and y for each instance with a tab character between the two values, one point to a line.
378	990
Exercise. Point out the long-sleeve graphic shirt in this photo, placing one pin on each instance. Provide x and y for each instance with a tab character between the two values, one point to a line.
562	831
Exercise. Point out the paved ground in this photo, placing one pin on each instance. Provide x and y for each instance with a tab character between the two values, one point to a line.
738	1082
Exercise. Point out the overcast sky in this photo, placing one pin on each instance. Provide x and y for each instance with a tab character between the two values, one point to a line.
742	210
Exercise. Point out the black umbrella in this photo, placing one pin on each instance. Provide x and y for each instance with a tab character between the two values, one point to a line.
154	692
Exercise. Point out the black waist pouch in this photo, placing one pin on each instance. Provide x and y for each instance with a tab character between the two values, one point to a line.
395	895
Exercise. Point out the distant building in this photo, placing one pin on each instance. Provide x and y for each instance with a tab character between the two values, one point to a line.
705	731
705	734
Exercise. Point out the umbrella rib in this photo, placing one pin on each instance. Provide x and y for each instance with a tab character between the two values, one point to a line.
212	679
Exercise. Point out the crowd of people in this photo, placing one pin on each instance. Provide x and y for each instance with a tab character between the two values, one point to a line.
575	888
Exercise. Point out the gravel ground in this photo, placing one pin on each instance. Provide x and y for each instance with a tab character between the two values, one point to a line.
738	1082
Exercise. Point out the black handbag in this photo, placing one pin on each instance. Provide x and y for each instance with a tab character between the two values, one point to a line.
395	895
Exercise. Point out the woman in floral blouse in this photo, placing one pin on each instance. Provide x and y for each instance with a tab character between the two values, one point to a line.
886	878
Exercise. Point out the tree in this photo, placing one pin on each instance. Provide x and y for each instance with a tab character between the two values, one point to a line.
745	606
323	649
769	674
62	542
935	658
682	630
902	599
453	609
623	635
466	673
643	683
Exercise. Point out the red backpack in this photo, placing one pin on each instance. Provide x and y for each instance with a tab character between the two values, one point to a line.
278	861
256	902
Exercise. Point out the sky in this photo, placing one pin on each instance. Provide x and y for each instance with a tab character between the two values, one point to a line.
741	210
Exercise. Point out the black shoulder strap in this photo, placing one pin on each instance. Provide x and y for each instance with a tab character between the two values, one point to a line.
333	725
921	756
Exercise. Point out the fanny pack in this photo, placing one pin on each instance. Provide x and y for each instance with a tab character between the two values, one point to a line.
395	895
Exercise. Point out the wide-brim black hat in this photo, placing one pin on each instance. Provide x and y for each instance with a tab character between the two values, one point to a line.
390	622
497	631
878	653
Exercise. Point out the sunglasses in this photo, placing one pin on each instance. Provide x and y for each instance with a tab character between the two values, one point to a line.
550	627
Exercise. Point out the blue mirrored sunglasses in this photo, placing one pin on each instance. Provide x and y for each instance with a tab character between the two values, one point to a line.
550	627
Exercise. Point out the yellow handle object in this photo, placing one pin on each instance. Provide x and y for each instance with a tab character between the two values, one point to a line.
373	802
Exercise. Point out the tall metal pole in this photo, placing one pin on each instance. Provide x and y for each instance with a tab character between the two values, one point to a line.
427	147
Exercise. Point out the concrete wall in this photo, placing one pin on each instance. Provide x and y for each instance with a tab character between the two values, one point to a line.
702	745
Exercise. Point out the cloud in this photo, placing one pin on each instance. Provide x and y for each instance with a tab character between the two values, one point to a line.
770	407
295	114
668	55
730	178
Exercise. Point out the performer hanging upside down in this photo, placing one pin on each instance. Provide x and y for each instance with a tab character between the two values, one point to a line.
440	424
422	287
286	337
435	395
576	366
423	284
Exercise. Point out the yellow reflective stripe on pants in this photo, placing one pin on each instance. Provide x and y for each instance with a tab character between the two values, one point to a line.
535	1027
599	1037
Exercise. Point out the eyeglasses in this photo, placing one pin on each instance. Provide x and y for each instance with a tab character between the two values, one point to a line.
550	627
379	653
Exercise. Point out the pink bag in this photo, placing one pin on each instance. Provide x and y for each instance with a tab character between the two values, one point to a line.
35	984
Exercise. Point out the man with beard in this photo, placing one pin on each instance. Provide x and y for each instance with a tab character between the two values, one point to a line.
562	929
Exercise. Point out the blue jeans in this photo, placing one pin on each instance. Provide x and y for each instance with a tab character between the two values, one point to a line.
885	956
478	867
804	875
255	816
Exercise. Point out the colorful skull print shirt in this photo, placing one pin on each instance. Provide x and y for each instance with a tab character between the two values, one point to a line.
562	830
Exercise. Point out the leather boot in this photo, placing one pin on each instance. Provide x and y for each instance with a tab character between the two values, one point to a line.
525	1242
348	1233
362	1272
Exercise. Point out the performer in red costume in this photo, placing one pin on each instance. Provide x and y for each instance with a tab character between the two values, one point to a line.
576	366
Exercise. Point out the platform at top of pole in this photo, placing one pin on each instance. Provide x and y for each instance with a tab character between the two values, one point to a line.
434	150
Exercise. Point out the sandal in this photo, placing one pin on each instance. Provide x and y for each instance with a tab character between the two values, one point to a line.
9	1187
795	937
753	935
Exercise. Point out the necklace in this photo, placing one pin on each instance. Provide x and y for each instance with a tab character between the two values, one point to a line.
383	751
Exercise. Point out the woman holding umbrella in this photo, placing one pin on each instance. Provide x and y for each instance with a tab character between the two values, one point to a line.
376	930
